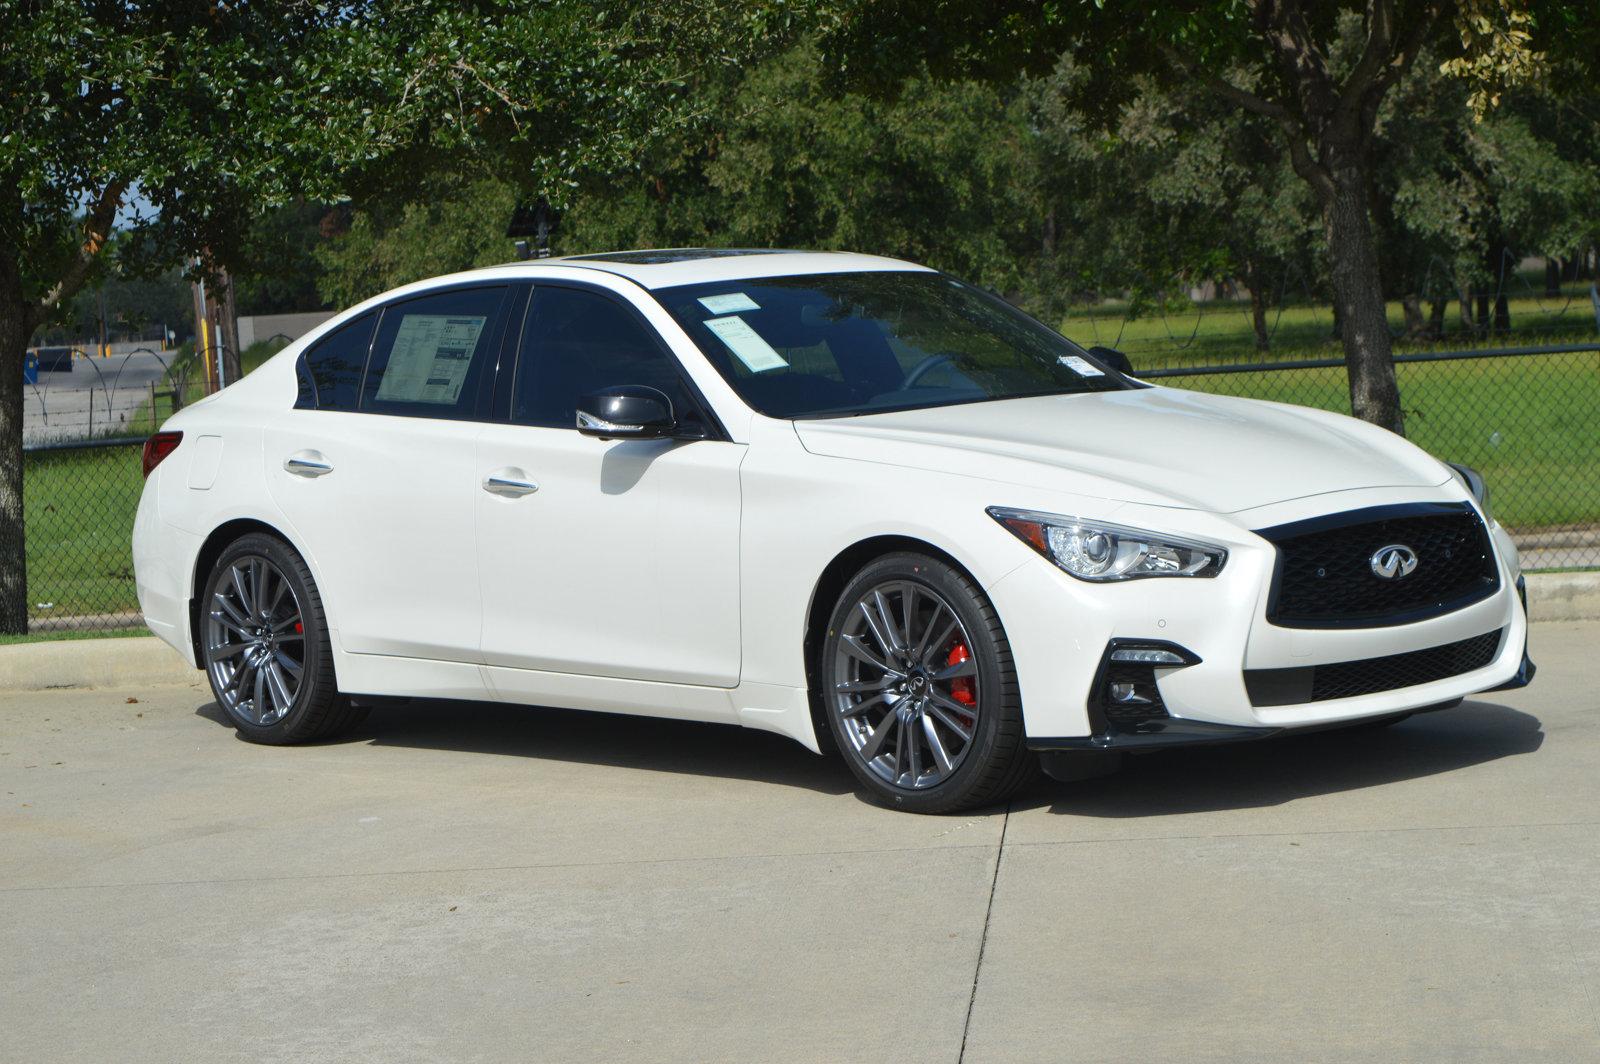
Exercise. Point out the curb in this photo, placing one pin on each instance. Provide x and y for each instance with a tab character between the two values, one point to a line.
1563	596
147	661
136	661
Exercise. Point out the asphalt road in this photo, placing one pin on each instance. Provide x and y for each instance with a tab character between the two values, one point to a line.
488	884
99	395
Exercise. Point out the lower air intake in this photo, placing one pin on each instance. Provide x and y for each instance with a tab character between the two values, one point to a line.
1347	679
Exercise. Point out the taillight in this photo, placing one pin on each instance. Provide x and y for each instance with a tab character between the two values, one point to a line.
158	447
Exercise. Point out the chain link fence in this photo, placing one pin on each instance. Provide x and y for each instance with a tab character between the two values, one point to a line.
71	394
1528	419
79	501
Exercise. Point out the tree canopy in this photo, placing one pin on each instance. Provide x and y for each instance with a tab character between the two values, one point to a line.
195	118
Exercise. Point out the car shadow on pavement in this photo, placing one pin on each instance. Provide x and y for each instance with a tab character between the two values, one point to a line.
611	739
1275	771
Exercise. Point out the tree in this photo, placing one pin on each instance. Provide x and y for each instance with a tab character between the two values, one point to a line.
1460	198
196	117
1176	192
778	160
1274	58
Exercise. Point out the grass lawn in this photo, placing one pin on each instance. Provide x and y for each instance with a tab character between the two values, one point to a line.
1219	332
1529	424
79	507
73	633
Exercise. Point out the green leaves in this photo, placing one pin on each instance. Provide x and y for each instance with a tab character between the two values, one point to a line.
217	112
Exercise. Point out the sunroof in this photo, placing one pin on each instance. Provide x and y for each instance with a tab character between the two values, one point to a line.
654	258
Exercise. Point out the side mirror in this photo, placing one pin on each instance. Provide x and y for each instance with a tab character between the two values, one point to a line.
1113	358
626	412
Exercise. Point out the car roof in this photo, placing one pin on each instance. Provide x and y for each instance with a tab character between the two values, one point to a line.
668	267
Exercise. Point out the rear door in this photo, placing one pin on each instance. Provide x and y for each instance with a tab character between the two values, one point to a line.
374	468
617	558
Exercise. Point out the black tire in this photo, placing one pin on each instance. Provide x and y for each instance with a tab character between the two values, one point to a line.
995	761
318	710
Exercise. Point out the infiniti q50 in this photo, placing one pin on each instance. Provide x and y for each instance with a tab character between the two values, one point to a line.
843	498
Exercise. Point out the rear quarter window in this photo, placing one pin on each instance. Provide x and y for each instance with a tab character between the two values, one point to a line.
330	370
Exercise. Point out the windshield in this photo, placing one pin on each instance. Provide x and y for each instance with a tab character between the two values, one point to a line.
821	345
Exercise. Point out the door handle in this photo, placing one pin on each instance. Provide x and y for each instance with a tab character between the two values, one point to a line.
308	464
510	483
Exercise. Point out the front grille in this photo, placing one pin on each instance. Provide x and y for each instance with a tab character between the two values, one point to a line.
1346	679
1324	577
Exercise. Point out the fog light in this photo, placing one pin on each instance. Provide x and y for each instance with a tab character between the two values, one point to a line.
1127	693
1125	697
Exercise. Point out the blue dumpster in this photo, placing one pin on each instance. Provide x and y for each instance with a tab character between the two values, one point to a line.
30	368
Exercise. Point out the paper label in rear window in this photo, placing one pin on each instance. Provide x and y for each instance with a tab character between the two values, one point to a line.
430	358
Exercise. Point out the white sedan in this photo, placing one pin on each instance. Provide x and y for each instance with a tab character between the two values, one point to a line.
844	498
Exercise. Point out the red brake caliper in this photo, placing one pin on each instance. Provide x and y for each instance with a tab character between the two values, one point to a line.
961	686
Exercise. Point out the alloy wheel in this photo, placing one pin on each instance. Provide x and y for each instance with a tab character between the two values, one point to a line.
905	685
255	641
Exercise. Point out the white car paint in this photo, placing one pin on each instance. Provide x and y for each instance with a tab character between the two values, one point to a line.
676	579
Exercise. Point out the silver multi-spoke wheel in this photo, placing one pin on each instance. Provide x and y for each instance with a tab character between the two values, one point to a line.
905	684
255	642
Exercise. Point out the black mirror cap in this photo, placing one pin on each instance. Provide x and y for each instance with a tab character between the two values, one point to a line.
626	412
1113	358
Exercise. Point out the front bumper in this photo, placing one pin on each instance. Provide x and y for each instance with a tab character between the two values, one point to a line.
1223	622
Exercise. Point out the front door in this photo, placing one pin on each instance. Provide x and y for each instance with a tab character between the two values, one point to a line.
605	558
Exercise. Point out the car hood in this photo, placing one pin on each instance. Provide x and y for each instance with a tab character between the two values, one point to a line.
1154	446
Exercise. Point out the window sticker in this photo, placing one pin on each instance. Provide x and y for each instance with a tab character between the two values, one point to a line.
732	303
757	355
1082	367
430	358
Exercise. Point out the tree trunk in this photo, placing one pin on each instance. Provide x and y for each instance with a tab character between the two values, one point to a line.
14	332
1416	324
1496	263
1357	294
1552	277
1258	314
1436	319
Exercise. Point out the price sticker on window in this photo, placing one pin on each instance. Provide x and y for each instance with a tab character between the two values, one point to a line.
746	344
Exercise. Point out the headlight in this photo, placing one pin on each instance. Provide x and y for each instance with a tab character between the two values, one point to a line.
1095	550
1472	480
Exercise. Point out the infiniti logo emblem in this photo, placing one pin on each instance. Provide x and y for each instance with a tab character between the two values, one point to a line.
1393	562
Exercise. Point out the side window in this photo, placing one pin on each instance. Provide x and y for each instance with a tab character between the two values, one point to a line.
433	353
330	369
575	342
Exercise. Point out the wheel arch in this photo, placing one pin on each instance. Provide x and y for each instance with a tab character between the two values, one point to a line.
211	549
824	593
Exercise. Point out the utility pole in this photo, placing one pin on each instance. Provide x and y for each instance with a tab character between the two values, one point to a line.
205	350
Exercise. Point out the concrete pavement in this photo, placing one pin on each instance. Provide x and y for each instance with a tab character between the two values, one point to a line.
480	883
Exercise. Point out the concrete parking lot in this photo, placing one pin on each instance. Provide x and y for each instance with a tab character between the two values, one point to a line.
488	884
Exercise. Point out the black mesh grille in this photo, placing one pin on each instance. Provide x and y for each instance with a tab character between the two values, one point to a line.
1346	679
1325	579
